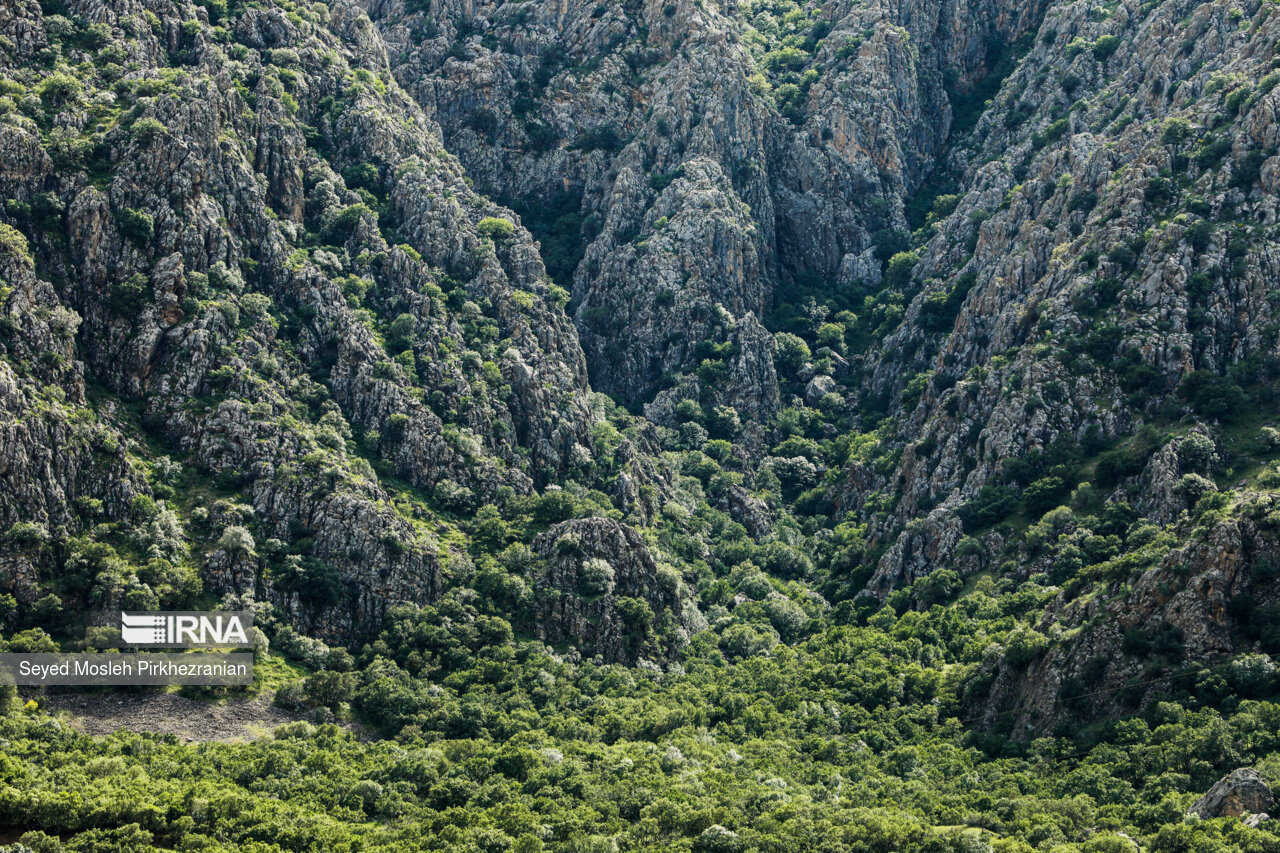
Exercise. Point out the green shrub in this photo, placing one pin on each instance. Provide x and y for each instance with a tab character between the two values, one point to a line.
1052	133
137	226
940	309
1210	154
1175	131
1213	396
495	228
604	138
59	89
126	298
345	222
660	182
993	503
790	352
1104	47
898	273
147	130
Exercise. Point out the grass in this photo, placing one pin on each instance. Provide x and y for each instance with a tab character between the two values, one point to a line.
271	671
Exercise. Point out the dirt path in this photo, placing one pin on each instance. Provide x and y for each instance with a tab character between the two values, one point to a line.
166	713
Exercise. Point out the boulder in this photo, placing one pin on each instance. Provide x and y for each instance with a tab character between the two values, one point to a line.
1240	792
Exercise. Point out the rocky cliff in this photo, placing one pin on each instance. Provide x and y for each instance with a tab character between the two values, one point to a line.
619	313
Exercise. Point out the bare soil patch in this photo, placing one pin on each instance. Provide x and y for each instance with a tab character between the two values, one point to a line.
190	720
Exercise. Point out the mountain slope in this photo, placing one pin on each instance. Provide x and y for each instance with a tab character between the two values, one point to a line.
682	426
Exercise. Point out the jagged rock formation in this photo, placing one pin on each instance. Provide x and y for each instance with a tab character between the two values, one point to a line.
1076	207
1199	605
1240	793
221	263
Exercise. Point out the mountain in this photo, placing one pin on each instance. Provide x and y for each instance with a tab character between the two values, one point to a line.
861	417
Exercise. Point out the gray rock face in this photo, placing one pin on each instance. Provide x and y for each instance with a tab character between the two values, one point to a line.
1241	793
267	245
1062	201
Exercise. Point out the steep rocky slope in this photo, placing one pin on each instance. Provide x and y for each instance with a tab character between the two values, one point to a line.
696	155
1109	266
212	201
896	306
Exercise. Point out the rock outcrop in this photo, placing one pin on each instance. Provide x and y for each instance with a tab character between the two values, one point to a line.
604	591
1241	793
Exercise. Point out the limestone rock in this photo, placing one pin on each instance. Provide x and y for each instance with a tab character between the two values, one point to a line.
1241	793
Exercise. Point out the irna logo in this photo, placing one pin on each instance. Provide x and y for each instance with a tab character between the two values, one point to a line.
187	628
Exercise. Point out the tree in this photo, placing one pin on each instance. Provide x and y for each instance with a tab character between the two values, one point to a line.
595	577
1175	131
790	352
329	689
59	90
236	541
743	641
1213	396
147	130
898	274
1105	46
137	226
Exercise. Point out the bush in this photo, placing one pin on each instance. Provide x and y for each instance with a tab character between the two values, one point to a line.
1175	131
59	89
1052	133
1023	645
495	228
992	504
1210	154
1213	396
898	274
1248	170
1159	191
1104	47
1043	495
453	496
290	696
148	130
484	122
553	507
604	138
939	311
329	689
362	176
137	226
742	641
785	59
346	221
236	540
126	298
660	182
787	617
1123	257
1199	234
783	561
595	577
790	353
831	335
